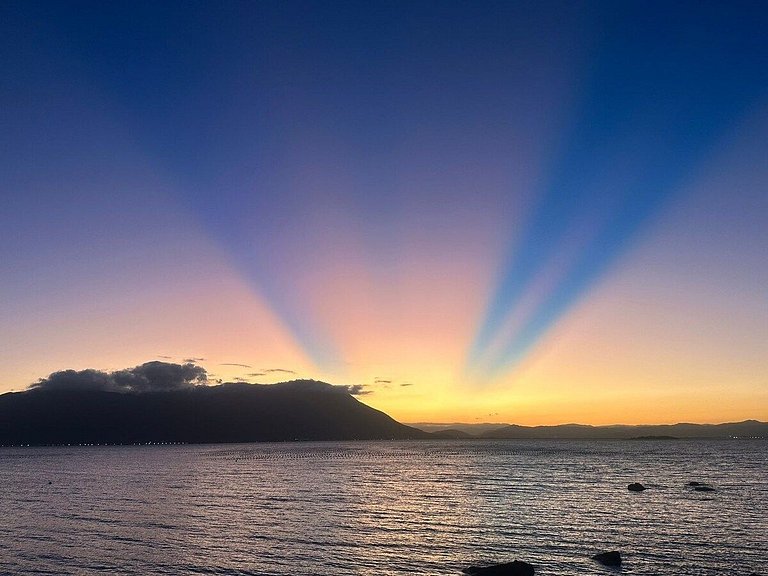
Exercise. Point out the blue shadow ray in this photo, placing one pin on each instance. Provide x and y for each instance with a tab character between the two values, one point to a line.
665	85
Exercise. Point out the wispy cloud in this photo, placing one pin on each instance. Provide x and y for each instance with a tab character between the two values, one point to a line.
235	364
281	370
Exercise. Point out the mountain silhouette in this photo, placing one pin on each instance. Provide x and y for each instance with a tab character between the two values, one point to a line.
61	410
232	412
746	429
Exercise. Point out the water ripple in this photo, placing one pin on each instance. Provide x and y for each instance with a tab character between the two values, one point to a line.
383	508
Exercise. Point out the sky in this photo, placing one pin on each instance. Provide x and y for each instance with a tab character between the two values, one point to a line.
529	212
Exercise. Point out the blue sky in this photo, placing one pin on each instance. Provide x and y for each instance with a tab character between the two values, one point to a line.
363	169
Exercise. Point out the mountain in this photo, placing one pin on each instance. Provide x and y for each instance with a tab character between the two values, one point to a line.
746	429
234	412
451	434
470	430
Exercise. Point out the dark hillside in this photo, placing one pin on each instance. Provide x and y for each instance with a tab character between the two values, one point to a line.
299	410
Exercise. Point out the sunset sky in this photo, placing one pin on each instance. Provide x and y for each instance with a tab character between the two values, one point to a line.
530	212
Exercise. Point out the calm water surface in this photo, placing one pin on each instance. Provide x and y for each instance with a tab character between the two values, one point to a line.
379	508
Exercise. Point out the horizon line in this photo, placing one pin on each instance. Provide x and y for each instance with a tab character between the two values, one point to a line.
585	425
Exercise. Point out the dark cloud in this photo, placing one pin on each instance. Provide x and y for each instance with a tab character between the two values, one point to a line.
88	379
283	370
256	374
238	365
193	360
165	357
407	384
381	381
148	377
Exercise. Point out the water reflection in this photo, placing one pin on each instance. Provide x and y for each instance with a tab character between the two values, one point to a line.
382	508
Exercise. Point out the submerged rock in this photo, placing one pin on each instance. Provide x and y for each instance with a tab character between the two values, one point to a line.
635	487
516	568
612	558
702	488
694	483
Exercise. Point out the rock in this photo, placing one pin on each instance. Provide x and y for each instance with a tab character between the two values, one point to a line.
516	568
608	558
635	487
703	488
694	483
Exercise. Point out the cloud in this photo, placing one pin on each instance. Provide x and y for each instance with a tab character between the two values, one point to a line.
165	357
356	389
283	370
193	360
307	385
240	379
381	381
238	365
256	374
407	384
148	377
88	379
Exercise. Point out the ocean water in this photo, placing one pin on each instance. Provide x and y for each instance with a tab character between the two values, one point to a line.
381	508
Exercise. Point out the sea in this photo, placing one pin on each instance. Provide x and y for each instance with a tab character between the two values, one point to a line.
385	508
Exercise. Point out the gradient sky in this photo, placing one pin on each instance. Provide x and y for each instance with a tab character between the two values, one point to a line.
532	212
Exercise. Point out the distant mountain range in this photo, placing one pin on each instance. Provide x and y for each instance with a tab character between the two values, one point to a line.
746	429
297	410
459	428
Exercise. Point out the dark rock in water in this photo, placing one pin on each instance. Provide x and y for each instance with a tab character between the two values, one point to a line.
516	568
608	558
635	487
700	486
